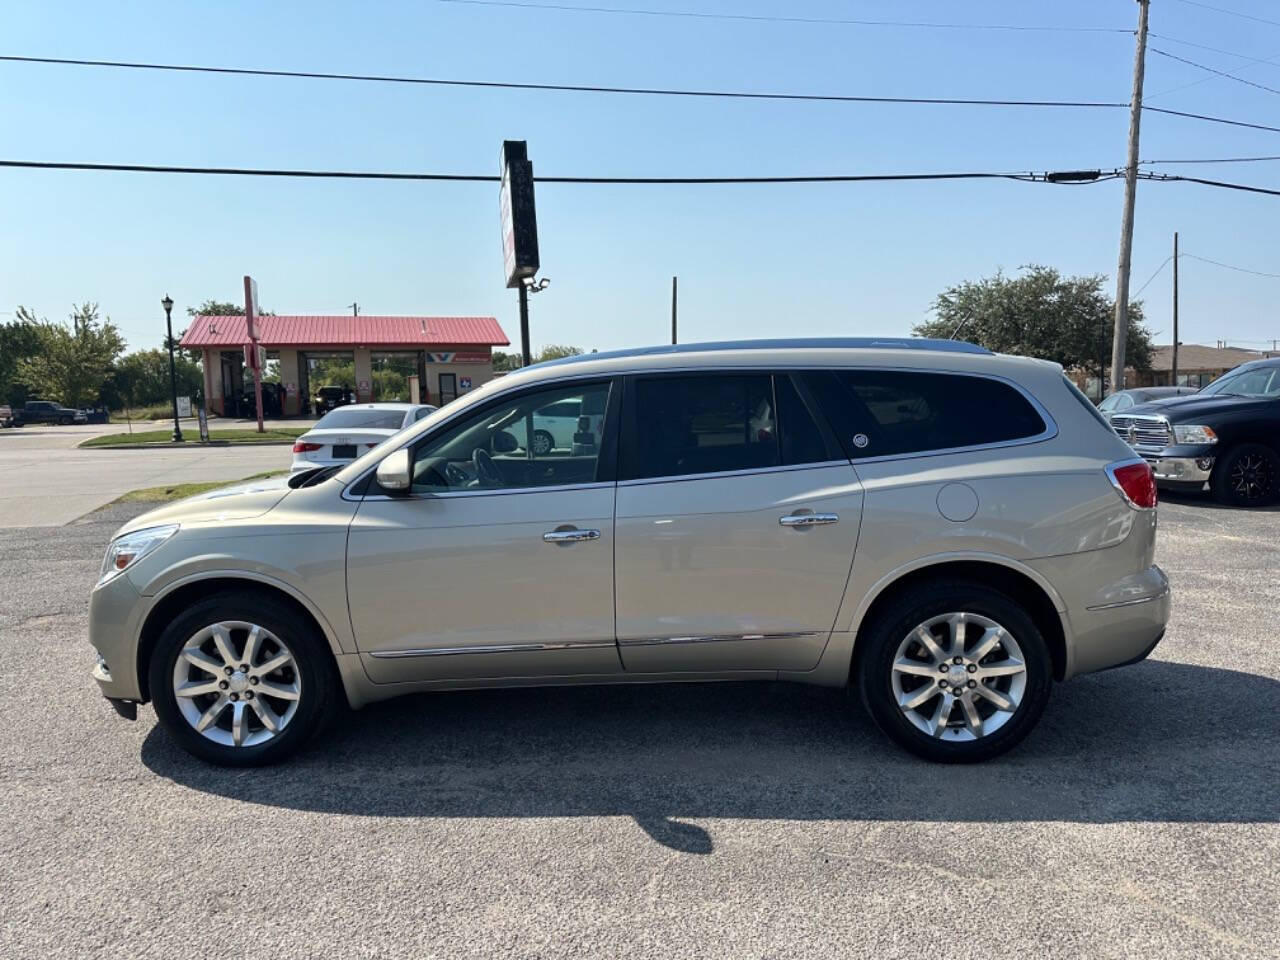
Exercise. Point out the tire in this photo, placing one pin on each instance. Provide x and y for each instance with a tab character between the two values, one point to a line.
310	678
64	421
891	639
543	443
1247	476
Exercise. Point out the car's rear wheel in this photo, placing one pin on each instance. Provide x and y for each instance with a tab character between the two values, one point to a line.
955	672
543	443
64	421
241	680
1247	476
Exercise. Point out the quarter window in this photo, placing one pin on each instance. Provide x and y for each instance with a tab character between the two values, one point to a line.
890	412
507	445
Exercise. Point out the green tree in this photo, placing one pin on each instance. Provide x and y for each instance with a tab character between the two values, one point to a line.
552	351
18	340
141	378
73	362
1069	320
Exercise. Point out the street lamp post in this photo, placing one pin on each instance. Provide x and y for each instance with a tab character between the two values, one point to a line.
167	303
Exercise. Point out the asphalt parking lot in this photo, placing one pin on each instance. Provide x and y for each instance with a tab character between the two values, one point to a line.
51	481
1139	820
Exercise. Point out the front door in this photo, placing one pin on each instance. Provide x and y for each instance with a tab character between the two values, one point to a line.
736	523
500	562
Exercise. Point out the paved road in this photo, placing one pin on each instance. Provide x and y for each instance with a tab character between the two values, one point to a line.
1139	820
48	481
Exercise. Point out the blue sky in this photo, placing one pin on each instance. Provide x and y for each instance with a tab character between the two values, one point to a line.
752	260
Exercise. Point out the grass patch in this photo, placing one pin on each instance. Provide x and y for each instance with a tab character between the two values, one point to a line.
180	491
246	435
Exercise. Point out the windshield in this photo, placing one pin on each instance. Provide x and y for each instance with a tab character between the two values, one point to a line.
347	418
1251	382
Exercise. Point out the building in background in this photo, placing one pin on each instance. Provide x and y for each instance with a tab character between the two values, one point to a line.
374	357
1198	366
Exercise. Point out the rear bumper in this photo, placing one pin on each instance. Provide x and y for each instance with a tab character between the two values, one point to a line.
1122	630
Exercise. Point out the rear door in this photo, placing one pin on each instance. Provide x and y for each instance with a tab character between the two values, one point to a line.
737	517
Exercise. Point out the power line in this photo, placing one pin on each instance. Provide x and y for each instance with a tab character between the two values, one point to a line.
1215	72
1230	13
561	87
641	91
762	18
1222	184
1209	119
1216	263
1134	296
1204	46
1214	160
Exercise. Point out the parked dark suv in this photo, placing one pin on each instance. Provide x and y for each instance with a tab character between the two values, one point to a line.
46	411
1226	436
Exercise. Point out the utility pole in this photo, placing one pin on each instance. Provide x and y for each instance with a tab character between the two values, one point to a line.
673	310
1175	309
1130	192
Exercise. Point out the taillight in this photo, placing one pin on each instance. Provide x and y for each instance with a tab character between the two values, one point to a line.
1136	482
301	447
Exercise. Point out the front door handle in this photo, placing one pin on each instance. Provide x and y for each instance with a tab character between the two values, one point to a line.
803	520
572	535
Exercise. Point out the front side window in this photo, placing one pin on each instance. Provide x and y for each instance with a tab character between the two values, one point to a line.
894	412
703	423
504	446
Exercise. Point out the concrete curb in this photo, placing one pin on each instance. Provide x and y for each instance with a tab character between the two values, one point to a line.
193	445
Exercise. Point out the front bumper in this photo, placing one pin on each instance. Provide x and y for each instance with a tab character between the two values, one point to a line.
114	609
1185	466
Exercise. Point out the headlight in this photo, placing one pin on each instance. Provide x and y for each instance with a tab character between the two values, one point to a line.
1193	433
124	552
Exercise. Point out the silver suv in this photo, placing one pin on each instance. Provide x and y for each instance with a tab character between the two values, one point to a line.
945	530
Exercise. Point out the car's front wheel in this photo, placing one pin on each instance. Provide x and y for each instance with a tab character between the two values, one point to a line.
543	443
1247	476
955	672
239	679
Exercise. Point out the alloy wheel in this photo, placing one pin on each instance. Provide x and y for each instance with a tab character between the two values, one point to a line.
237	683
1251	478
959	676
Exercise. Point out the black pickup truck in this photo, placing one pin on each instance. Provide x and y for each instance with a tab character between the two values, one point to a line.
46	411
1226	436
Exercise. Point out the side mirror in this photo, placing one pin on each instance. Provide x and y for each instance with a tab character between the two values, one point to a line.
504	442
395	472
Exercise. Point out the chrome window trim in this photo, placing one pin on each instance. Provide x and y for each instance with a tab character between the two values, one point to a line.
492	648
1050	431
785	468
713	638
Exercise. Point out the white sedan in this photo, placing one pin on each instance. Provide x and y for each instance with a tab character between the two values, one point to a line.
343	434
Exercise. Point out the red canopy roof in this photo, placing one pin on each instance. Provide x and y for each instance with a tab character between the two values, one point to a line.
346	331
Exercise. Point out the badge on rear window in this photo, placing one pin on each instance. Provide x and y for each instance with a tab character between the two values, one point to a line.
860	440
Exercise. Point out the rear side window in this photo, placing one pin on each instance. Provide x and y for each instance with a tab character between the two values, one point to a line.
879	413
701	424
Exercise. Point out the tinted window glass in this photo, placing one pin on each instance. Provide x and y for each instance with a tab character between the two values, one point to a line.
702	424
346	418
499	446
803	441
894	412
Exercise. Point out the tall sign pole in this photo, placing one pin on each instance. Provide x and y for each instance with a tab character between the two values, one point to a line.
255	355
519	230
1175	309
1119	340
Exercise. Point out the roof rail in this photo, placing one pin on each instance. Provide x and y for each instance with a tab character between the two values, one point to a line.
798	343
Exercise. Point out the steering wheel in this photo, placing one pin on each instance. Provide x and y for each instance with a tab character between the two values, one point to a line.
486	470
455	476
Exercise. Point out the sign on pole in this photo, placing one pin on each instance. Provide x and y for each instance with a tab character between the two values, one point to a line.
519	221
251	323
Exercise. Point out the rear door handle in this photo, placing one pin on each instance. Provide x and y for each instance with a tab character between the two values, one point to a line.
570	536
802	520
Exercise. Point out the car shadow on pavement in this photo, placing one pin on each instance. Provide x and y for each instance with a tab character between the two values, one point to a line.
1159	741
